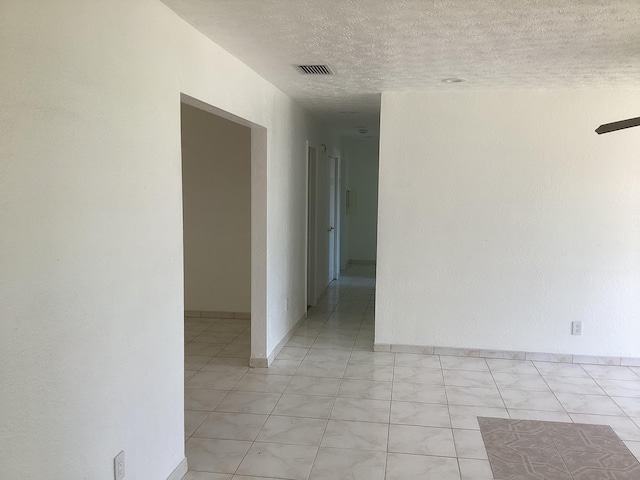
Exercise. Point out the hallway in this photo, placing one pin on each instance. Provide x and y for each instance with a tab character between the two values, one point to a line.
330	408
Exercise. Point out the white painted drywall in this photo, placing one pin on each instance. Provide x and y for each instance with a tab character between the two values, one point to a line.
361	157
91	277
504	217
216	192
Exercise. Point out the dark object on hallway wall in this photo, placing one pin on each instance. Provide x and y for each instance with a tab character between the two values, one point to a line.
622	124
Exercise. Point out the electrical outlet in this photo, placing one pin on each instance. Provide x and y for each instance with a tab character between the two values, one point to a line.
118	466
576	328
286	305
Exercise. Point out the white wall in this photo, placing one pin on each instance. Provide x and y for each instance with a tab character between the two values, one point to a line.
91	282
216	192
361	156
504	217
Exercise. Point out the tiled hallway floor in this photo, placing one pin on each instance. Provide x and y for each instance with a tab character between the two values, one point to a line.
331	408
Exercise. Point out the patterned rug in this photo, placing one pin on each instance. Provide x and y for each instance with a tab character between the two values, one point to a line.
534	450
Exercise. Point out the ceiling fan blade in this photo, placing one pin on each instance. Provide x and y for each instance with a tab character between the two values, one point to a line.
612	127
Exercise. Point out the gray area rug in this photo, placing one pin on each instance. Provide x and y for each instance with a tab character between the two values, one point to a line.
534	450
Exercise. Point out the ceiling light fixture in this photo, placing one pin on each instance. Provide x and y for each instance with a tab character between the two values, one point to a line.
452	80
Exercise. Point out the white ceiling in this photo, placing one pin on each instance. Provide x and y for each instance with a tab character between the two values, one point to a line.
387	45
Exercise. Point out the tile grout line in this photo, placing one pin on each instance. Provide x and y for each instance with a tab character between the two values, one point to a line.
330	412
559	454
564	409
611	397
386	460
497	388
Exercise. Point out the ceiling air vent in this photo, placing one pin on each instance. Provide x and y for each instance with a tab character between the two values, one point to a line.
314	69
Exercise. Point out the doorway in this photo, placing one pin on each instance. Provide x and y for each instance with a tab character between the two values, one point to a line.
216	190
312	225
360	207
323	222
217	186
332	221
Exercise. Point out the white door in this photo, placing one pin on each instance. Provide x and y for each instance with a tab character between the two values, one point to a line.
311	227
331	228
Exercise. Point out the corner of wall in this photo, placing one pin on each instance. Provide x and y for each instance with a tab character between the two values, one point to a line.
180	471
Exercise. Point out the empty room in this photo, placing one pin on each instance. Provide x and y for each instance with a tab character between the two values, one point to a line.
319	240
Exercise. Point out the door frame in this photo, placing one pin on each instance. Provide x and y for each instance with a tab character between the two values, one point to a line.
335	221
258	227
312	224
314	155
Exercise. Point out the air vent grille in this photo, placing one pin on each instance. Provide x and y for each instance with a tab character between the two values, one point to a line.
314	69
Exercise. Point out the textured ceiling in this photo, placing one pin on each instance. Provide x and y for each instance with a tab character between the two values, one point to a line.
381	45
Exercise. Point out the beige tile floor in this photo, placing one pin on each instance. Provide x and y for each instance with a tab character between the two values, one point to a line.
331	408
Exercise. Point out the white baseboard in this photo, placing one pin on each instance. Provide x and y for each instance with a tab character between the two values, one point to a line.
260	362
217	314
180	471
506	354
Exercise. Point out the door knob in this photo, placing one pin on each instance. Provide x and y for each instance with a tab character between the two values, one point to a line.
329	229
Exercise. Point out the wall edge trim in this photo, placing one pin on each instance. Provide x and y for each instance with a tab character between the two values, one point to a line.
180	471
508	354
260	362
216	314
